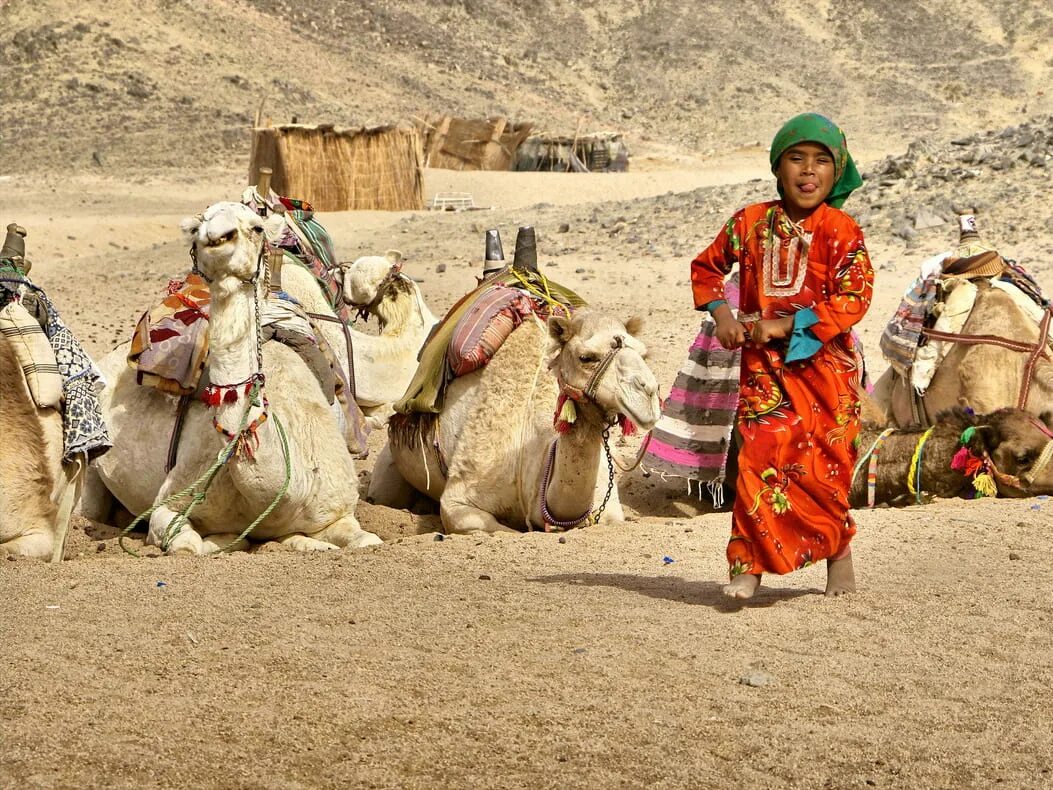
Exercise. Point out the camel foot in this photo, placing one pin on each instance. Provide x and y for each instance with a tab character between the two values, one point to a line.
347	534
840	575
304	543
187	542
35	546
464	519
742	586
223	541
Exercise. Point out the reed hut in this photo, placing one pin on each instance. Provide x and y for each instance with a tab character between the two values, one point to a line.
469	144
599	152
379	168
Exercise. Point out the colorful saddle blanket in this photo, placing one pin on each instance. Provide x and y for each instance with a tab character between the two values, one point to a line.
691	439
306	242
169	348
470	333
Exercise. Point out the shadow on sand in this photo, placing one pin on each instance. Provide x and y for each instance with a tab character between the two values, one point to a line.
701	593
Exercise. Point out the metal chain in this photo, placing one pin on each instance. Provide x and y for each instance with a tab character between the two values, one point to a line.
610	475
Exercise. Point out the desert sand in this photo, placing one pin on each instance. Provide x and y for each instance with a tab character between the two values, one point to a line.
604	657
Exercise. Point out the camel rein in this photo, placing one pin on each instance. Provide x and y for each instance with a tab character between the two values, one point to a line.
1035	351
237	439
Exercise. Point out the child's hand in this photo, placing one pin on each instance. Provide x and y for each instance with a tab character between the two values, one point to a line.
768	329
731	333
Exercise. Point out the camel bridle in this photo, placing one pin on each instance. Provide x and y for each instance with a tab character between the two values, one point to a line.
1035	351
588	393
393	275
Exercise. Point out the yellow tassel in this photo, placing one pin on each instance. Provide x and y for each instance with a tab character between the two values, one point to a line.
985	485
569	412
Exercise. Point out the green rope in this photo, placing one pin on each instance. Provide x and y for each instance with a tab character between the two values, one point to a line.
281	492
198	496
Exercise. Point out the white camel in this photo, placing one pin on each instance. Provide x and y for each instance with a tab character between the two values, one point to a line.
385	363
494	461
288	437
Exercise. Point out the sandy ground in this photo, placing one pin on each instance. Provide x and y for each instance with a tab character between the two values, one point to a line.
605	658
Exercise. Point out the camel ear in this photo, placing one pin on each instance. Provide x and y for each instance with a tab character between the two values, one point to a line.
559	328
634	325
394	256
190	225
274	226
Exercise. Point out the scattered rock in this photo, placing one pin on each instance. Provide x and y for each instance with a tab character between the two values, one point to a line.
757	679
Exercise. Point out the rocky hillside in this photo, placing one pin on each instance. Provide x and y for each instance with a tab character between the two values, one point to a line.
156	84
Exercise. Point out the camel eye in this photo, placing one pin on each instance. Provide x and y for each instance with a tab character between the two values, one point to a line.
1024	458
257	229
588	359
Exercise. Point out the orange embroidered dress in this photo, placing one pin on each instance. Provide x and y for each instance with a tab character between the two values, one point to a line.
798	419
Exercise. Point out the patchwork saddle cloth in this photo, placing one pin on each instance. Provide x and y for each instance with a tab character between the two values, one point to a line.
79	381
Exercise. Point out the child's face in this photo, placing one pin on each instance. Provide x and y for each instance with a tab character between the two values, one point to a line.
806	175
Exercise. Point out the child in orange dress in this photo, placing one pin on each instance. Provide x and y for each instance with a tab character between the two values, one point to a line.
805	280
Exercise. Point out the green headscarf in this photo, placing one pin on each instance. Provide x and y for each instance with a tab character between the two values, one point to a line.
811	127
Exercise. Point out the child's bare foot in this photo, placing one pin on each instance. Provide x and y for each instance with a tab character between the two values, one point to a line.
742	586
840	575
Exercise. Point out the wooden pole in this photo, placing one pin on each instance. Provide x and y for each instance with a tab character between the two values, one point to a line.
263	183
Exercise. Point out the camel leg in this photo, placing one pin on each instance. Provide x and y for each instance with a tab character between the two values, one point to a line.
185	541
66	496
459	518
387	486
377	417
347	533
36	544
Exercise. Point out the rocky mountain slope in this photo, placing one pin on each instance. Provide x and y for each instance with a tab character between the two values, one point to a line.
156	84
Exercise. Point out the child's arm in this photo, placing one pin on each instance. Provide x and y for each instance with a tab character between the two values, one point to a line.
849	297
708	271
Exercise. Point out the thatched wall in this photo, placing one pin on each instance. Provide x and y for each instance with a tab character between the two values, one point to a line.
589	153
467	144
342	169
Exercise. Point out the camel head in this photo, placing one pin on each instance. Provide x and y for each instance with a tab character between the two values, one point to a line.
598	358
226	240
370	279
1021	447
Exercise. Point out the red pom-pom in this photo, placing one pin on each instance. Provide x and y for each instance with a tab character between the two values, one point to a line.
230	396
628	426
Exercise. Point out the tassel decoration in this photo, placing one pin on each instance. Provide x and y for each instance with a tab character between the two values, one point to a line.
967	435
960	458
985	485
566	414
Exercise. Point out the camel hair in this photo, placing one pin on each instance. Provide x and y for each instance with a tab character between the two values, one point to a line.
492	458
287	438
983	377
30	465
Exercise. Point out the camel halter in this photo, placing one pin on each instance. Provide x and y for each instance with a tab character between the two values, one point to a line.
1035	351
574	394
1044	458
394	274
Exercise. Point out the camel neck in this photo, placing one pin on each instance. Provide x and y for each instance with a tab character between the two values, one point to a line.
572	480
232	355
